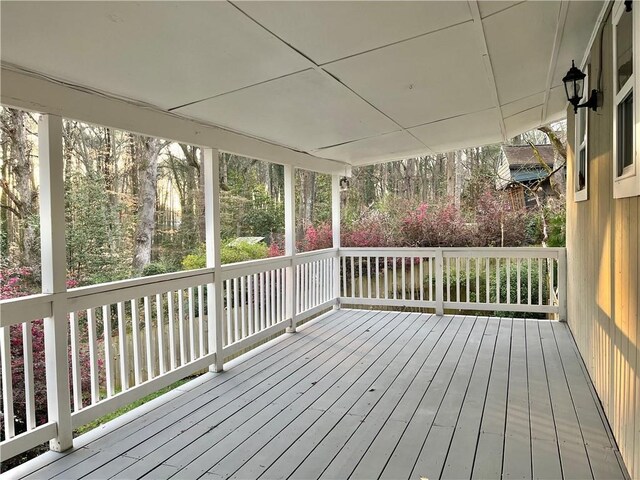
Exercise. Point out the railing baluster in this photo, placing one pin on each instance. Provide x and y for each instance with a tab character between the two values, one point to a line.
353	276
413	279
124	355
108	349
172	330
431	265
467	271
278	296
160	324
529	281
377	277
201	343
457	279
316	283
148	337
250	304
395	279
29	381
487	277
508	293
236	301
498	299
268	316
7	383
256	304
229	323
540	299
403	269
93	355
241	302
192	324
137	362
421	282
477	279
518	277
263	302
386	277
182	336
76	375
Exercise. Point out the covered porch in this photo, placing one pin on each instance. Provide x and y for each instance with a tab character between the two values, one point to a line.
369	394
352	393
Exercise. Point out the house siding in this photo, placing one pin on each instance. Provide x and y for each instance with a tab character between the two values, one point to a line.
603	263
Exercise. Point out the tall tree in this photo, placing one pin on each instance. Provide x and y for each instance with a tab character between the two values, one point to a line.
147	150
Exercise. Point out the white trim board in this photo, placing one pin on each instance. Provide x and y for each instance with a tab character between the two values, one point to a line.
30	92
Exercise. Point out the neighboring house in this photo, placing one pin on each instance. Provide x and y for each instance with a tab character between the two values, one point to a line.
520	171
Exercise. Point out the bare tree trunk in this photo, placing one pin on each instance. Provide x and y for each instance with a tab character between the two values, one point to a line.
148	152
23	204
451	174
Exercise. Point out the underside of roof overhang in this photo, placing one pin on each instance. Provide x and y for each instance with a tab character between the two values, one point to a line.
356	82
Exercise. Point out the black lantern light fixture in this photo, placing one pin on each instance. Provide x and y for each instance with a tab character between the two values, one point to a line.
574	86
344	184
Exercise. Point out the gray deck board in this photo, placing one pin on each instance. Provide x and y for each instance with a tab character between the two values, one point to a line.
368	394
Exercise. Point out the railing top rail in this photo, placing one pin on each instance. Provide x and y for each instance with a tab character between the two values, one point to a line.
136	282
315	253
238	269
18	310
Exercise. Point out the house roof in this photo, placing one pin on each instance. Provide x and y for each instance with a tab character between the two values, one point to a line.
520	156
356	82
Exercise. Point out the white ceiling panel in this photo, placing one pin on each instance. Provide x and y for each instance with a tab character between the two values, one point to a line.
522	104
421	80
306	110
523	121
326	31
580	20
476	129
520	42
163	53
557	105
370	150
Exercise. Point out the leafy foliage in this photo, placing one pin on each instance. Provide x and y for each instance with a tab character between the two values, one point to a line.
238	252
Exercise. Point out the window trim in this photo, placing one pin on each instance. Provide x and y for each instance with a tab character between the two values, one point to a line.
628	183
580	144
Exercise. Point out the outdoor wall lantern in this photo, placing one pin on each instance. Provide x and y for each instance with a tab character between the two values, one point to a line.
574	85
344	183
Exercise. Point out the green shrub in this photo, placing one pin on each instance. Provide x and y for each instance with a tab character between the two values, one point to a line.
155	268
239	252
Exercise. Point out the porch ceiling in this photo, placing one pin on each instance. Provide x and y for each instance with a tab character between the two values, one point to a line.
358	82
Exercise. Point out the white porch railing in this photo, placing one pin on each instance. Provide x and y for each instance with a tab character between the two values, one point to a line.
127	339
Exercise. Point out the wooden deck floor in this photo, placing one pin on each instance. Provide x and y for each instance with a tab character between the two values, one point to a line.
365	394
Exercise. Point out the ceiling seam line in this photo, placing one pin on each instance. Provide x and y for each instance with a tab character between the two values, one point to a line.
503	10
562	20
327	74
239	89
397	42
486	60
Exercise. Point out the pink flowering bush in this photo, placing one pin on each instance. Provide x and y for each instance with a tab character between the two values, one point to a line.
14	283
435	226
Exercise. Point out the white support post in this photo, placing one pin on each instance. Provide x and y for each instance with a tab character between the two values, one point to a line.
439	282
290	243
215	305
562	285
54	267
335	230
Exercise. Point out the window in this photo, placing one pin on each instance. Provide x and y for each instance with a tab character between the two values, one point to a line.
581	168
626	170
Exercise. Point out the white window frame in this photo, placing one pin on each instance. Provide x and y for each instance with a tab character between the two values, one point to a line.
582	144
628	183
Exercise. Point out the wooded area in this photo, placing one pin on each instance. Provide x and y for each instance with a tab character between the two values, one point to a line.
135	205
